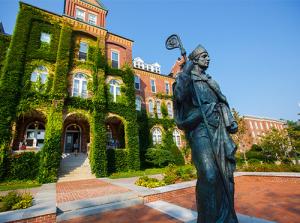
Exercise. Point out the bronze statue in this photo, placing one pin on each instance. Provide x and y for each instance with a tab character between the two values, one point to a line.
202	111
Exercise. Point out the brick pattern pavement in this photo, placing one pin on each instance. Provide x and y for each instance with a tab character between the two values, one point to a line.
270	198
50	218
84	189
138	213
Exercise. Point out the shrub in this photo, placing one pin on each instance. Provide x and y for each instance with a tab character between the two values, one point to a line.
23	166
149	182
117	160
14	200
175	174
159	157
267	167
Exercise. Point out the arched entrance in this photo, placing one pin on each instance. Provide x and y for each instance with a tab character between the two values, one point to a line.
29	132
76	135
115	133
72	139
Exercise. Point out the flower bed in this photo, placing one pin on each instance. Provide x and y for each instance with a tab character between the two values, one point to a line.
14	201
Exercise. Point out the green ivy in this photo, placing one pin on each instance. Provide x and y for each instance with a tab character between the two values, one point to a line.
4	44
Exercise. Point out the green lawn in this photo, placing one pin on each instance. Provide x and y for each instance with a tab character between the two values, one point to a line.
17	184
137	173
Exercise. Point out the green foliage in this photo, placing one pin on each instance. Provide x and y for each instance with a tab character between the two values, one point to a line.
170	145
4	44
275	145
159	156
14	200
18	184
149	182
117	160
175	174
135	173
23	166
3	160
269	167
164	110
51	152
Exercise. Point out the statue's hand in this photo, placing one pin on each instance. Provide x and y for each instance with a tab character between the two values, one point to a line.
233	128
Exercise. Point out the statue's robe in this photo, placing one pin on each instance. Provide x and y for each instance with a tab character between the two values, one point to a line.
197	95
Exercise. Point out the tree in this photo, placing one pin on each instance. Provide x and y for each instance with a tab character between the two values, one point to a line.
294	137
276	145
240	137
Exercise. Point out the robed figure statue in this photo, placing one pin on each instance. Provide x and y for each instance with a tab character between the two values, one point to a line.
202	111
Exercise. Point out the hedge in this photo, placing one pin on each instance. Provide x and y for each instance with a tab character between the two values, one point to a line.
117	160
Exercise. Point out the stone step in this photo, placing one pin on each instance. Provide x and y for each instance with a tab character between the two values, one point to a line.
74	209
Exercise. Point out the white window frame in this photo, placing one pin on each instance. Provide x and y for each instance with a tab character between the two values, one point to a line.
177	137
92	22
35	132
86	53
158	109
76	14
115	87
168	92
45	38
137	80
261	126
138	103
151	108
156	136
170	109
153	85
111	57
39	74
267	125
251	126
81	79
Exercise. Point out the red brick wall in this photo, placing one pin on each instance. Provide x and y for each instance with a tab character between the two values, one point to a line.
50	218
125	53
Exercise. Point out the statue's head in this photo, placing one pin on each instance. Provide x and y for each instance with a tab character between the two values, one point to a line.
200	57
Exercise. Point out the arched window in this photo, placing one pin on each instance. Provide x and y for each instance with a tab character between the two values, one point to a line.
79	85
35	135
176	137
170	109
151	107
156	136
115	89
158	109
39	74
138	103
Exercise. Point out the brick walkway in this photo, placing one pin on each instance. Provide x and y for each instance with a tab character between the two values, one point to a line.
84	189
135	214
270	198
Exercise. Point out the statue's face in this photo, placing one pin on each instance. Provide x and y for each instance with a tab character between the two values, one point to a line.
203	60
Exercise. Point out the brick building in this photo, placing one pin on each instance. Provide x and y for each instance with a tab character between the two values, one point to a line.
258	127
76	87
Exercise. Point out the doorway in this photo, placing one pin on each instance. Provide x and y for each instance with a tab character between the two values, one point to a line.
73	139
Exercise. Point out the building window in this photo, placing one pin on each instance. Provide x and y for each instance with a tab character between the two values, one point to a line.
138	103
253	134
158	109
251	126
115	59
170	109
79	86
115	89
151	107
40	74
83	50
167	86
80	14
261	126
137	82
45	38
256	126
35	135
156	136
153	86
267	125
92	19
176	137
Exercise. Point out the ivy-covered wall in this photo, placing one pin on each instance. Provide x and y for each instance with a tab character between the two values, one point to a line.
23	96
4	44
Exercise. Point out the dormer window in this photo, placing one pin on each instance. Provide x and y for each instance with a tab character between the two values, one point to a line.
83	49
80	14
92	19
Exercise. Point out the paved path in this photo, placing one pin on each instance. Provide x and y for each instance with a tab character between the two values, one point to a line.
84	189
275	199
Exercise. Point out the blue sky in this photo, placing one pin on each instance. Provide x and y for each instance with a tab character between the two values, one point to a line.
254	45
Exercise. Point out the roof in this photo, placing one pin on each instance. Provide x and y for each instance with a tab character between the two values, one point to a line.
1	28
263	118
96	3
